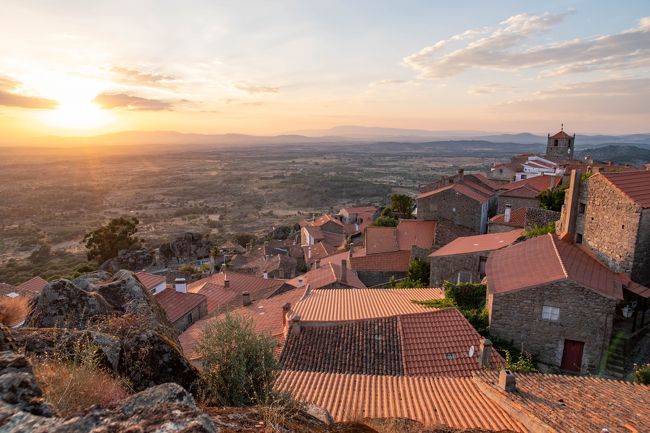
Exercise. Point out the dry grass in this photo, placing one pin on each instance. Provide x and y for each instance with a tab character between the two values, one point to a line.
13	310
72	386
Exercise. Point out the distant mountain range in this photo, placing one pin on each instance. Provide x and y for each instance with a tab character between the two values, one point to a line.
618	154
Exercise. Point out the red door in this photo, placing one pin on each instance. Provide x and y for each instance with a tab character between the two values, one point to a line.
572	355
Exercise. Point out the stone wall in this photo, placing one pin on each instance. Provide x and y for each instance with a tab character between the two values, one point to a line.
584	316
515	202
446	268
379	279
197	313
641	266
447	231
453	206
611	223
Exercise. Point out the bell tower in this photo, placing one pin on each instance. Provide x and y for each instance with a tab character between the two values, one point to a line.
561	145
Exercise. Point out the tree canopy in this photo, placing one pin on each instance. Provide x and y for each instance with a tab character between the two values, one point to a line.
552	199
402	204
105	242
385	221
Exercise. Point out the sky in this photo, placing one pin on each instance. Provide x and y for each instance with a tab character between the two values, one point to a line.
86	67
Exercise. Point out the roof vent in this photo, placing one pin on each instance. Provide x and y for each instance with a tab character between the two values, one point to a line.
246	299
507	381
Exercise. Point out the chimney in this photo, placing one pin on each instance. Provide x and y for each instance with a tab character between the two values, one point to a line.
300	282
295	325
317	264
461	174
281	273
265	275
485	353
246	299
344	271
285	314
507	213
552	185
226	281
609	163
180	285
507	381
309	253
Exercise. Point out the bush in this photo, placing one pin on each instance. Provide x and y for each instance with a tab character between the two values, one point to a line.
385	221
469	299
420	270
74	385
525	362
552	199
642	374
538	231
279	411
238	364
13	310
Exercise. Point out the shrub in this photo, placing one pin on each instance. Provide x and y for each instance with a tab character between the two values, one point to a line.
466	295
525	362
13	310
385	221
419	270
552	199
538	231
279	411
74	385
238	364
642	374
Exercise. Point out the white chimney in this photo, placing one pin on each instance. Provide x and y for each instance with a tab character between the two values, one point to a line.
300	282
309	253
506	213
265	275
180	285
226	281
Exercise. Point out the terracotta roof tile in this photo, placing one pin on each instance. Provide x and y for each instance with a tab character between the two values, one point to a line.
517	218
574	403
561	135
438	344
324	219
381	240
546	259
219	296
421	234
361	347
453	402
326	275
474	244
266	315
634	184
318	251
523	191
330	305
149	281
32	287
176	304
393	261
538	183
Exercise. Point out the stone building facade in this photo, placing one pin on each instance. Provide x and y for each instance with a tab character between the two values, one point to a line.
468	268
560	146
516	201
585	316
456	207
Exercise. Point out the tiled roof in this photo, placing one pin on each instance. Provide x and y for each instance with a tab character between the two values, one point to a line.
634	184
149	281
635	287
328	274
453	402
517	218
561	135
176	304
318	251
574	403
433	343
314	232
331	305
545	259
393	261
335	240
474	244
336	258
359	210
438	344
523	191
469	189
360	347
381	240
417	233
324	219
538	183
218	295
32	286
266	315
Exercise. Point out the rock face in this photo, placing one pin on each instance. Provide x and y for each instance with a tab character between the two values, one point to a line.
189	246
133	260
118	317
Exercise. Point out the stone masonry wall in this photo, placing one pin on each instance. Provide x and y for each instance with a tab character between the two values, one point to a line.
452	206
516	203
584	316
611	223
447	267
447	231
641	266
379	279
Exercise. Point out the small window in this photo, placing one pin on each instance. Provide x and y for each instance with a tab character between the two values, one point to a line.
190	319
523	176
451	356
581	208
578	238
554	142
550	313
623	226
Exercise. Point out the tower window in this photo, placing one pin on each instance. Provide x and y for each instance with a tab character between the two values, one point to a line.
555	142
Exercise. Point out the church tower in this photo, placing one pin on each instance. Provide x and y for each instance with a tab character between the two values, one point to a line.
560	145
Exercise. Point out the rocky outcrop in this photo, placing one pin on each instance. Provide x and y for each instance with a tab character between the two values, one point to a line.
189	246
133	260
116	316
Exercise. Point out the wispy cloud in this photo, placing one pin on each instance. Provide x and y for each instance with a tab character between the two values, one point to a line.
135	76
9	97
508	47
256	89
388	83
130	102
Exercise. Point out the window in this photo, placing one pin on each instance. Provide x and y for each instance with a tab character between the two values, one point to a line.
190	319
578	238
550	313
523	176
554	142
581	208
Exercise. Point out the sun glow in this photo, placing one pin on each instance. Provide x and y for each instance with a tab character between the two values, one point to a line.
76	109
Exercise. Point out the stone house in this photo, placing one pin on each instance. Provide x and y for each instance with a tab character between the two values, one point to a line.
182	308
553	299
467	201
524	193
464	259
610	213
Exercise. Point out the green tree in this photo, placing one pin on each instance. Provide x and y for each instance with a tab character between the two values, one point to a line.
552	199
41	254
105	242
419	270
238	364
538	231
385	221
402	204
244	239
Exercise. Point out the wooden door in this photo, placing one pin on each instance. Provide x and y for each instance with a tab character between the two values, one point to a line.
572	355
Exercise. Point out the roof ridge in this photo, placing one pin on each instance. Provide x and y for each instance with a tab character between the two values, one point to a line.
559	257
